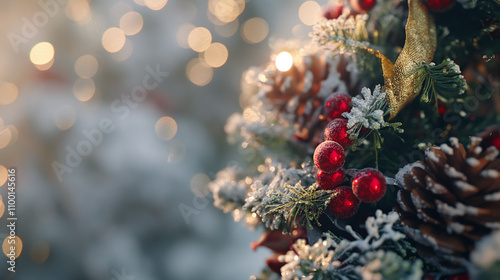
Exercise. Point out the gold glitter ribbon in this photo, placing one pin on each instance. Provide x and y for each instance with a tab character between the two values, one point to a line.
400	78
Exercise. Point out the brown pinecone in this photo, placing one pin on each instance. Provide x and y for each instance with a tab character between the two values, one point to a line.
299	93
450	200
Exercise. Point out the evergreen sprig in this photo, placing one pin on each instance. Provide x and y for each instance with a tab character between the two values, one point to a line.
346	33
388	265
297	205
368	112
442	81
382	254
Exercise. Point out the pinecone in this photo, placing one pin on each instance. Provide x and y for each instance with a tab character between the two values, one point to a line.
299	93
450	200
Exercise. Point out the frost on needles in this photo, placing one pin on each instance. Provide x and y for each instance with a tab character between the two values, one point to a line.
289	200
368	111
377	256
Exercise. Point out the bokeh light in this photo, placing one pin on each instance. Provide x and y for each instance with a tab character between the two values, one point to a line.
254	30
5	137
113	39
166	128
46	66
284	61
310	12
8	93
199	39
2	207
78	10
155	5
86	66
65	117
131	23
198	72
216	55
39	252
199	185
226	10
125	52
17	244
42	53
84	89
4	175
140	2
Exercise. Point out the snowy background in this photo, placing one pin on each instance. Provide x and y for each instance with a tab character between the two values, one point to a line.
133	201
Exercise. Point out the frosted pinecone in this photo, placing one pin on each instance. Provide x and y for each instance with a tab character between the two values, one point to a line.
300	92
450	200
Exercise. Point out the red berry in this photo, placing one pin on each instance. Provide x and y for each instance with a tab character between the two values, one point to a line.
336	130
440	5
362	6
333	12
344	203
329	156
369	185
328	181
336	104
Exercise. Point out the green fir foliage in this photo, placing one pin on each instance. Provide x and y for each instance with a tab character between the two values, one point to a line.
298	206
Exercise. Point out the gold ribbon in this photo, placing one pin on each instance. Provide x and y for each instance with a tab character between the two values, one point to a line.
401	81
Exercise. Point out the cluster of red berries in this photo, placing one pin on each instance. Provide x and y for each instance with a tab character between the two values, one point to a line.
356	6
369	185
365	6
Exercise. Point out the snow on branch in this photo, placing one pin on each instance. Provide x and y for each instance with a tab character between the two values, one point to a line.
377	256
346	33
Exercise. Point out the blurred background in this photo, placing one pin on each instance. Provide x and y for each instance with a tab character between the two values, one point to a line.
112	112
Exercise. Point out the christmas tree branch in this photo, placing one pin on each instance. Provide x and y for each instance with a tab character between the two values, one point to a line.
297	206
346	33
442	81
368	112
357	257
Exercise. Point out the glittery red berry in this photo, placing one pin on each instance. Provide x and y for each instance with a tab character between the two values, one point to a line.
362	6
333	11
369	185
329	156
440	5
336	104
336	130
344	203
328	181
